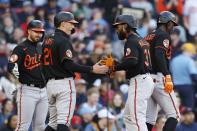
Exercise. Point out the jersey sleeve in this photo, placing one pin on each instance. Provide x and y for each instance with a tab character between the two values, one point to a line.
162	42
130	58
65	50
17	55
131	51
162	46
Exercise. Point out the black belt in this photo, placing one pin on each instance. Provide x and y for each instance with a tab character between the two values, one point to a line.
36	85
58	78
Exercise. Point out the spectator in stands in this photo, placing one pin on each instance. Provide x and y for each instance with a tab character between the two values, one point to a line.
7	108
92	101
8	29
195	39
159	123
18	36
40	14
101	122
98	21
51	5
49	21
27	10
76	123
190	18
184	73
118	80
23	25
3	57
10	124
170	5
80	86
4	6
143	4
187	123
117	110
176	42
106	92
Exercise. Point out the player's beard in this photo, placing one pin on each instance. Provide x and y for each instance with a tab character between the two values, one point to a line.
121	35
72	31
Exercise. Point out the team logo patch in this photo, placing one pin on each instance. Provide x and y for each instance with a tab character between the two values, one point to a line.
13	58
69	54
128	51
166	43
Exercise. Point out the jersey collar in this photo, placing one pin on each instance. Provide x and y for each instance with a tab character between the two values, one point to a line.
31	43
61	32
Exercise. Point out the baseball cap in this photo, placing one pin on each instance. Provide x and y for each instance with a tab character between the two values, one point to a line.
76	122
104	113
189	47
186	110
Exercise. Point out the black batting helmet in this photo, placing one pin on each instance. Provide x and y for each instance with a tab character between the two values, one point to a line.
36	25
64	17
126	19
165	17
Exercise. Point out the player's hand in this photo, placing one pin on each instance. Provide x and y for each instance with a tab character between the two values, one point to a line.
100	69
109	62
168	85
15	71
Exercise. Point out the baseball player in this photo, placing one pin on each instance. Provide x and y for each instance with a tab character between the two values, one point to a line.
136	62
160	47
59	70
25	64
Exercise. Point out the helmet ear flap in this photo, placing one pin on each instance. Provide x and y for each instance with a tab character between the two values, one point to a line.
127	27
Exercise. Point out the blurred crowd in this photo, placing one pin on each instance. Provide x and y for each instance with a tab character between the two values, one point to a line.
101	99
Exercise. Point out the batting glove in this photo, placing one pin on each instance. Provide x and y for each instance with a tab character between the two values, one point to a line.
15	71
168	85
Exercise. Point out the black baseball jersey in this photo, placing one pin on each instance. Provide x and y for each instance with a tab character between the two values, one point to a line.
136	58
28	57
58	57
160	50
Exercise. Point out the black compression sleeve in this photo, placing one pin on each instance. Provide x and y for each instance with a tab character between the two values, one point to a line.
10	67
70	65
161	61
125	64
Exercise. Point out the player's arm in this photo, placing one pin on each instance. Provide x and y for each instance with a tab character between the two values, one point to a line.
15	60
66	55
162	44
130	58
72	66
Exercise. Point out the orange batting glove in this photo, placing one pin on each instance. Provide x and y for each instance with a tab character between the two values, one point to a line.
168	85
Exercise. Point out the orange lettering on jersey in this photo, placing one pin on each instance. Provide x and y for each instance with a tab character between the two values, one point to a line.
169	52
149	37
143	43
32	62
